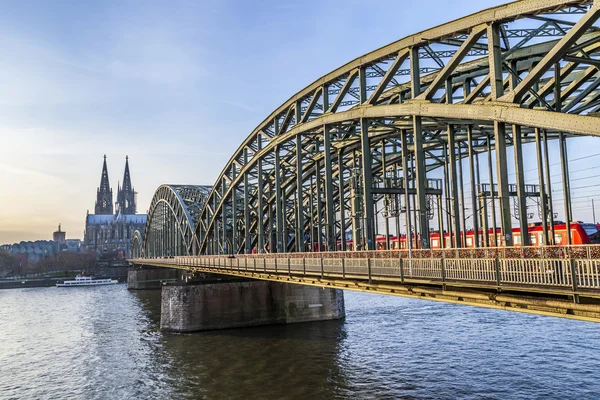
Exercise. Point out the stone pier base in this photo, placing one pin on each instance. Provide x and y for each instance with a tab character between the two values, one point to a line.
150	278
210	306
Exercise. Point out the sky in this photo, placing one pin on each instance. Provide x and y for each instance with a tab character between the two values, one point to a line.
174	85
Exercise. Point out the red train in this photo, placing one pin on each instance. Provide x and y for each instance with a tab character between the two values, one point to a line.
581	233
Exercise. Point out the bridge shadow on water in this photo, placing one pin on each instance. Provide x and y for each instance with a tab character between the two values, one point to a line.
295	361
387	347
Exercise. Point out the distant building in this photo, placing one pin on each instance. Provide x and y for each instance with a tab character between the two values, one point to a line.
73	245
26	252
59	236
109	233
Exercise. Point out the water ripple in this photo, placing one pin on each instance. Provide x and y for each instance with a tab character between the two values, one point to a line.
105	343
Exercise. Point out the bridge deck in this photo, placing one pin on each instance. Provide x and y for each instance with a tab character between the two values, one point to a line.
568	287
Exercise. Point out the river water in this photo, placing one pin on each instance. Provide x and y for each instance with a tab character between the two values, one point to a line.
105	343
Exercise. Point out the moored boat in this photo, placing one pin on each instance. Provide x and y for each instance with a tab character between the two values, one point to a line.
86	281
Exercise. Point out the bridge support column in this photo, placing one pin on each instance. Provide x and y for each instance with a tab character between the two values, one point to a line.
150	278
223	305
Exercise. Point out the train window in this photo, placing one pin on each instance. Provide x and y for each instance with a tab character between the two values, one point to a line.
517	239
469	242
590	229
558	238
533	239
436	243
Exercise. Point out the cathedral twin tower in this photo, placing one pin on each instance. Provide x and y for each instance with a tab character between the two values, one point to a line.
125	195
109	231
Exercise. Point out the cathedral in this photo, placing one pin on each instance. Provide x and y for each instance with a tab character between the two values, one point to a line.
109	231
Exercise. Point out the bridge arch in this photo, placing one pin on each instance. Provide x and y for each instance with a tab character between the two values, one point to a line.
389	129
136	245
172	216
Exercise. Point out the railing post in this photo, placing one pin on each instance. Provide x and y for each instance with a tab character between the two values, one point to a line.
343	268
322	269
304	265
574	280
289	267
264	264
444	273
401	270
498	277
275	264
369	268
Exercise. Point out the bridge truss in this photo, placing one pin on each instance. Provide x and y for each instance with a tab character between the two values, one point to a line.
384	135
172	216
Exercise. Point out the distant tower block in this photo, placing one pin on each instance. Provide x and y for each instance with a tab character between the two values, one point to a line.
59	236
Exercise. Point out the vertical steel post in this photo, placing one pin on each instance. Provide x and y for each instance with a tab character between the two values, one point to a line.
421	179
386	206
557	88
299	196
543	199
440	221
397	198
329	213
247	240
461	189
355	207
318	204
473	188
497	90
447	195
311	211
503	187
564	168
454	186
234	222
520	178
367	185
549	188
216	233
342	200
420	171
491	177
495	60
404	150
279	207
260	199
223	221
482	206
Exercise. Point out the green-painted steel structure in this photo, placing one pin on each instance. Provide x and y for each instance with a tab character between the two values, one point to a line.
385	135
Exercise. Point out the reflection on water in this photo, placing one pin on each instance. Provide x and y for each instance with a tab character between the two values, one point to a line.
104	343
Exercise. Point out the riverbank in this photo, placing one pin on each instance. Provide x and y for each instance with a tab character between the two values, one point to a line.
29	283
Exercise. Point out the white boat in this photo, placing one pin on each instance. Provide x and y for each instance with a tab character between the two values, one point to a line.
87	281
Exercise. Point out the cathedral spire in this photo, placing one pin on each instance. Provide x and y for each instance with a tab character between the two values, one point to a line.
104	193
126	194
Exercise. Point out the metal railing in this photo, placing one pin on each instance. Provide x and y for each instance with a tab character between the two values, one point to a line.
496	267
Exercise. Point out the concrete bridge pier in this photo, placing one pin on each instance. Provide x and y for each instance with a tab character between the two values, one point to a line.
143	278
203	304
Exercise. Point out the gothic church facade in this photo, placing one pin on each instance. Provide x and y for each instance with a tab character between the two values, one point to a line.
109	231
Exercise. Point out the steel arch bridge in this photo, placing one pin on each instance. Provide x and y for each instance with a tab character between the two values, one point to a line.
172	216
386	133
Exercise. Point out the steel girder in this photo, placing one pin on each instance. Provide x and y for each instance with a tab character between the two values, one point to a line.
172	216
321	164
